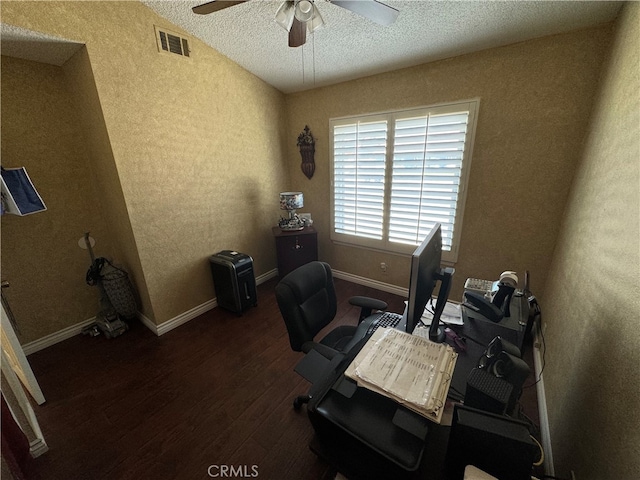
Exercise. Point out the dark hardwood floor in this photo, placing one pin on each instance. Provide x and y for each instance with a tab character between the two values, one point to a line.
214	393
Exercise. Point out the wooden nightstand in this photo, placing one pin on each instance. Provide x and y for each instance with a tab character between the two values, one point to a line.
295	248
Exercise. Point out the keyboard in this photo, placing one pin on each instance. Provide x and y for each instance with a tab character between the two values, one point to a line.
387	319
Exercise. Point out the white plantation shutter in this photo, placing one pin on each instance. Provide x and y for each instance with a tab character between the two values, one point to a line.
426	171
359	158
397	174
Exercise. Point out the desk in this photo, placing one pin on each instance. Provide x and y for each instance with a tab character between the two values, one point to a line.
387	439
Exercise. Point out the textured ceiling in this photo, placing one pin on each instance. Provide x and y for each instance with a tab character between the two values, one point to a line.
350	46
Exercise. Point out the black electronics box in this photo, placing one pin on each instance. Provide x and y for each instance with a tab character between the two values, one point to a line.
487	392
234	280
500	446
366	435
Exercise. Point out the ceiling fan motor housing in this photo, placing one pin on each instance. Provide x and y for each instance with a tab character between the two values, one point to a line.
299	16
304	10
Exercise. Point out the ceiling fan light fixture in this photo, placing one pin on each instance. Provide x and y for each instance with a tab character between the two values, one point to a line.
316	22
304	10
285	14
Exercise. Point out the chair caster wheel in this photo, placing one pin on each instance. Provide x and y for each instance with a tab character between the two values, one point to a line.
299	400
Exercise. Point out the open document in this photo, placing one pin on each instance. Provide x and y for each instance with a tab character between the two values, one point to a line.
409	369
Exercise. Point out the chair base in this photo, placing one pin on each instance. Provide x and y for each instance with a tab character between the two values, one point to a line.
300	400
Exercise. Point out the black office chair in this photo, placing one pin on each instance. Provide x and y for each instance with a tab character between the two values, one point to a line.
307	301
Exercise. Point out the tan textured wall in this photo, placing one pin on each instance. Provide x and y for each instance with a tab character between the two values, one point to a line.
535	99
592	307
196	143
80	80
40	254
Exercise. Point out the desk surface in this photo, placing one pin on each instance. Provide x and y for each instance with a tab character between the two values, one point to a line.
340	409
478	332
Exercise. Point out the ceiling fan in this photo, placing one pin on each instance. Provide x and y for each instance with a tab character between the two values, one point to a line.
300	16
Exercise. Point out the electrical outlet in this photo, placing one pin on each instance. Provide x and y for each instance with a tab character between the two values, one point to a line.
383	267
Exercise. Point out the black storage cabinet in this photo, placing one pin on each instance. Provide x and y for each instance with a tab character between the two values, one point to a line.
234	280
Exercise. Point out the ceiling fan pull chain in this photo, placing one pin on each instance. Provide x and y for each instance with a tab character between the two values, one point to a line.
313	58
303	64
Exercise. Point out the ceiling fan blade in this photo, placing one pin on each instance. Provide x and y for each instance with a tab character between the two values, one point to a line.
298	33
371	9
215	5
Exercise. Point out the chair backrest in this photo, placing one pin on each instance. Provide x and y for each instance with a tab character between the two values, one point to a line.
307	301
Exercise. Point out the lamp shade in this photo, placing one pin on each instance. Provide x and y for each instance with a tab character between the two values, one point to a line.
291	200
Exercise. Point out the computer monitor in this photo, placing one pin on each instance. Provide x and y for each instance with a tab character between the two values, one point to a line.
425	273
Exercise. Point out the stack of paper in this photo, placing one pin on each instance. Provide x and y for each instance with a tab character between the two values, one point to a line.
409	369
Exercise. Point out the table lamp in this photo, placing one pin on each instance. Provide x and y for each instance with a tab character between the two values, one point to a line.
291	201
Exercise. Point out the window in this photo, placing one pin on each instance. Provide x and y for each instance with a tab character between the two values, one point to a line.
396	174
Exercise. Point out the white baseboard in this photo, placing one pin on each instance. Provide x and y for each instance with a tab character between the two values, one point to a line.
147	322
37	447
181	319
161	329
385	287
543	414
196	311
56	337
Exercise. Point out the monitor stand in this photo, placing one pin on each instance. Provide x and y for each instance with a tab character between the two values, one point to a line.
436	331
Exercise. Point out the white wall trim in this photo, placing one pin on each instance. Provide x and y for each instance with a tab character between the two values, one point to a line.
196	311
385	287
161	329
260	279
14	353
17	399
184	317
38	447
147	322
56	337
543	414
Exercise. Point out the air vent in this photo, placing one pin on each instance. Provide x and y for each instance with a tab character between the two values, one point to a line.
171	42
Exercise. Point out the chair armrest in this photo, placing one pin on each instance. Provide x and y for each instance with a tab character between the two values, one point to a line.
323	350
367	305
367	302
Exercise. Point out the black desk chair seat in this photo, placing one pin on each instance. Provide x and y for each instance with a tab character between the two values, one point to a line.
307	301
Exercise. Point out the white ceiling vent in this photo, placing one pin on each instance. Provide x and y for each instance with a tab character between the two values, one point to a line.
171	42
